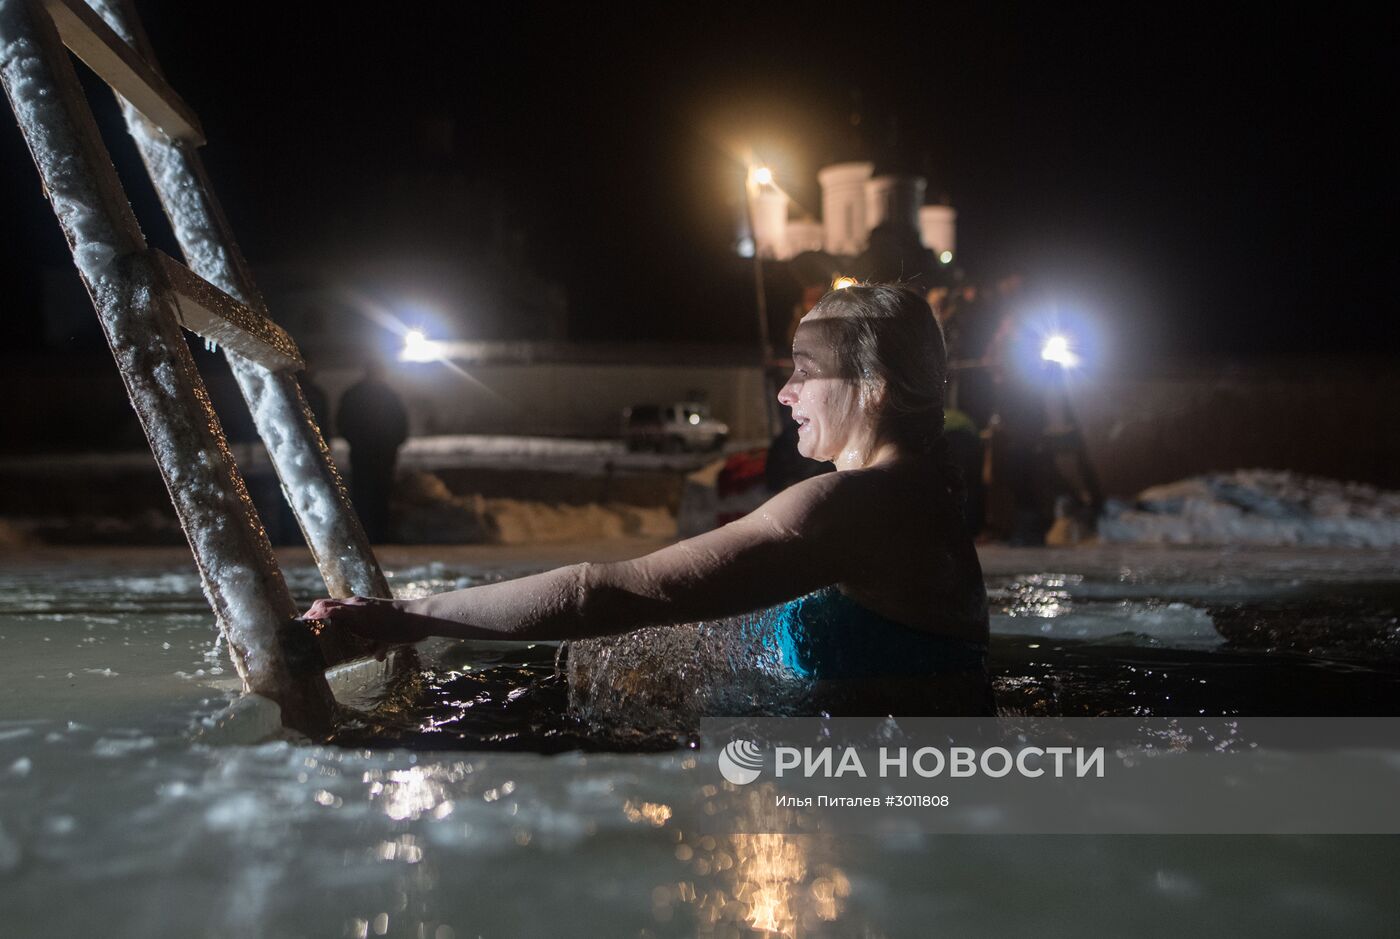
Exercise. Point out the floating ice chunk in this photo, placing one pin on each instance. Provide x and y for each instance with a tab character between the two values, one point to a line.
168	583
235	813
60	825
108	747
247	720
1178	625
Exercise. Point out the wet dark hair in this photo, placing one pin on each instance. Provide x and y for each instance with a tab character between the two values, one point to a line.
887	333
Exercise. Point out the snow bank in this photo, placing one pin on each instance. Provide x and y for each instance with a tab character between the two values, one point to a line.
1257	507
429	513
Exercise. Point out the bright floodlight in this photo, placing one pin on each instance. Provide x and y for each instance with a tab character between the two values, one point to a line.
762	176
841	283
694	418
946	257
1056	349
417	347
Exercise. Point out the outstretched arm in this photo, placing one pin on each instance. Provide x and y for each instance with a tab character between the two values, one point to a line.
794	543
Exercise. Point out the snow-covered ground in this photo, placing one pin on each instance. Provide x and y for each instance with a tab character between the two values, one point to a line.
428	513
1258	507
556	454
1245	507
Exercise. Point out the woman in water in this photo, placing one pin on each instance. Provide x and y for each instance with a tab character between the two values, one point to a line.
873	581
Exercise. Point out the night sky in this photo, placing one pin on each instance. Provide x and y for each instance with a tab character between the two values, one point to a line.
1202	180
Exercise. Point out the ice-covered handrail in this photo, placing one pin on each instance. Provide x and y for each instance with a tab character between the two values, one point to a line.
299	453
207	311
237	567
116	63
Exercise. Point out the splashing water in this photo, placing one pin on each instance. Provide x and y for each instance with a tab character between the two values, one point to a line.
670	676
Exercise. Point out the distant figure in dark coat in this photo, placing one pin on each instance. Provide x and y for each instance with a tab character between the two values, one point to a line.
372	419
1023	464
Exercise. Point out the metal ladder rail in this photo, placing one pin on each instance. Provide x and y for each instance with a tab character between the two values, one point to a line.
134	298
299	454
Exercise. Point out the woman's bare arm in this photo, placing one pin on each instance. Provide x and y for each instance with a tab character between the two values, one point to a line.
794	543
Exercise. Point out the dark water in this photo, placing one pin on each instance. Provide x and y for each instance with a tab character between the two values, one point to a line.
1325	653
517	705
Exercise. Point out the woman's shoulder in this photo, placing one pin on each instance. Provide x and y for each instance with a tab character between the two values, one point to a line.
809	503
847	504
844	491
883	483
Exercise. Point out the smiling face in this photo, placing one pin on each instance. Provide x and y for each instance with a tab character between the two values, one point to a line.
868	374
825	402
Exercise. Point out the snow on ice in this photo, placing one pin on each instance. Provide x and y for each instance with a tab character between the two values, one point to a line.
1258	507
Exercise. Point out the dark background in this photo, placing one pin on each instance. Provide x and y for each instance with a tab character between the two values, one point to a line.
1208	181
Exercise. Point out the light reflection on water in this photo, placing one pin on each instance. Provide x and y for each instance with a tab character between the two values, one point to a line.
772	882
102	791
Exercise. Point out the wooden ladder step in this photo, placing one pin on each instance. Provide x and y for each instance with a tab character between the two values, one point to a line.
207	311
116	63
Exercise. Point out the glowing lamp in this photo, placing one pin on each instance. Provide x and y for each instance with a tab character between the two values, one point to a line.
841	283
946	257
762	176
417	347
1056	349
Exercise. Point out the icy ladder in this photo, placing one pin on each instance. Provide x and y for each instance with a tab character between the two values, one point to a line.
143	298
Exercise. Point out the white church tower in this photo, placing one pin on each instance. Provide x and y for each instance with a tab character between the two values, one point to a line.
843	206
769	206
854	201
938	230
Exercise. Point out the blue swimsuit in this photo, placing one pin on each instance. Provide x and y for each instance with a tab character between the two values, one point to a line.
826	634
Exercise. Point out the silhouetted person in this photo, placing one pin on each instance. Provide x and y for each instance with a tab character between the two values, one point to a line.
1023	468
372	419
969	325
895	253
